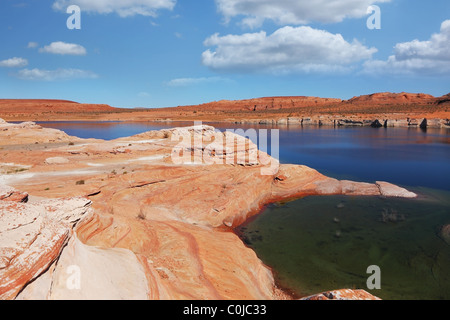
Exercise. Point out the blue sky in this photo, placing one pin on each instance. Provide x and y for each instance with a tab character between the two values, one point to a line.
163	53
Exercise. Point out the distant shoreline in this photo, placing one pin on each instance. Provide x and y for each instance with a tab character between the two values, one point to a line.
379	109
422	123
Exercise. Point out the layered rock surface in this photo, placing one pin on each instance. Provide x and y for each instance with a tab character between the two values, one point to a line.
10	194
29	133
160	227
32	236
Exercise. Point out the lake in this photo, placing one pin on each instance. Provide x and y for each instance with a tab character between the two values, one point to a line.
317	244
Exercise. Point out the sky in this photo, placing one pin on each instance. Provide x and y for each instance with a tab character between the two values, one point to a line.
166	53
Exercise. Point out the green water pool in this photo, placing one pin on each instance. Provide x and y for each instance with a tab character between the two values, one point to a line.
322	243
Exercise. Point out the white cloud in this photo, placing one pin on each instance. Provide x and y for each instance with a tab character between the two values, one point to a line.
184	82
64	48
417	57
293	11
287	50
32	45
53	75
124	8
14	63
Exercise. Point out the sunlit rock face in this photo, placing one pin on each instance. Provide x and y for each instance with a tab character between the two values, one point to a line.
32	236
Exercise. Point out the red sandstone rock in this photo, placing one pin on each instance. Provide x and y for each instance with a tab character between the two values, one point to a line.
11	194
37	106
270	110
393	98
269	103
444	100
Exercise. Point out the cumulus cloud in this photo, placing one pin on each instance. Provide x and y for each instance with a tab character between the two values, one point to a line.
294	11
64	48
184	82
417	57
14	63
53	75
287	50
124	8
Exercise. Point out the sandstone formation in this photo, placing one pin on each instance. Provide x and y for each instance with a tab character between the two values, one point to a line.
163	205
269	103
32	237
390	190
346	294
393	98
10	194
91	273
33	106
444	100
29	133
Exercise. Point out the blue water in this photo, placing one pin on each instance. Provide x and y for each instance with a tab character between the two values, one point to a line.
108	130
404	156
317	244
408	157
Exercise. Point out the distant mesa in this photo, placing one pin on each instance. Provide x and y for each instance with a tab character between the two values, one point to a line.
444	100
394	98
376	103
263	104
399	108
48	105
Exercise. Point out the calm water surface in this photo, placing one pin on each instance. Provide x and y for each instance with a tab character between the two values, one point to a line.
324	243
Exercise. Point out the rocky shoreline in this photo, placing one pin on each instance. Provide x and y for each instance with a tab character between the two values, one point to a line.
119	219
352	122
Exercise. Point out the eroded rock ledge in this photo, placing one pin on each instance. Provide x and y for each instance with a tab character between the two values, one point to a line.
344	294
148	228
32	236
